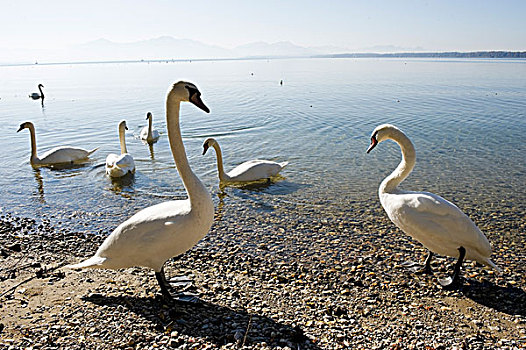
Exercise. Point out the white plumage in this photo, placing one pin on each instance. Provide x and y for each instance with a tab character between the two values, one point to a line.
252	170
157	233
56	156
430	219
118	165
148	133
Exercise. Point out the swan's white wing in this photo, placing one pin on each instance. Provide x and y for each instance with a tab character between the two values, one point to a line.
155	134
119	165
437	223
64	154
125	161
151	236
144	133
254	170
110	159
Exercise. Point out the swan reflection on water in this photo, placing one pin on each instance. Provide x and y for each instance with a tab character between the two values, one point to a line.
40	185
152	154
123	185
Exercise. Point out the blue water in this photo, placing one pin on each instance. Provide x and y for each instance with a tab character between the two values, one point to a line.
467	119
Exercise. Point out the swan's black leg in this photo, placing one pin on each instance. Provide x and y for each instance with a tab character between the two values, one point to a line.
455	281
427	267
166	289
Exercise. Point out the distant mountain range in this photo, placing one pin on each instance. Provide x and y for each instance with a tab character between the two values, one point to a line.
167	47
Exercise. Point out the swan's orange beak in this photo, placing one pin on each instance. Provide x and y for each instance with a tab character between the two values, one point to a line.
373	144
196	100
205	148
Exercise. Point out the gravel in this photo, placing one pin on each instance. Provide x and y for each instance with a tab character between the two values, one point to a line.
280	277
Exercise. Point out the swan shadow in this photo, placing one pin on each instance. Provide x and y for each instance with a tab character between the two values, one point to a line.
509	300
253	192
217	324
277	185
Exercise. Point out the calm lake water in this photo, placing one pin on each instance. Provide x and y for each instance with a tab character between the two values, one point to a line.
467	119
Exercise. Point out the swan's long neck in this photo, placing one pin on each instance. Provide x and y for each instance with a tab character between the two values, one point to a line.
194	187
122	139
34	156
405	167
41	92
220	169
150	125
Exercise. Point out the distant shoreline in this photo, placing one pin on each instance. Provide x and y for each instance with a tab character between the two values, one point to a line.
453	54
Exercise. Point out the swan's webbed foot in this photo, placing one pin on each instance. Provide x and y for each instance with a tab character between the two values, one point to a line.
418	269
455	281
168	291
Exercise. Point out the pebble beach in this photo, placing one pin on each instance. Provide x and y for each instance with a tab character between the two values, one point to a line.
266	279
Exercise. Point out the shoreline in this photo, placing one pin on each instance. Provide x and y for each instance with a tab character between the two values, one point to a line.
266	281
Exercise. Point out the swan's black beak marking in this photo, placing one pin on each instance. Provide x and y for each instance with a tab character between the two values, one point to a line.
373	144
205	148
195	98
20	128
125	127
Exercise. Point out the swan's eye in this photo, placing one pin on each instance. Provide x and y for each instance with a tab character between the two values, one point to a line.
191	90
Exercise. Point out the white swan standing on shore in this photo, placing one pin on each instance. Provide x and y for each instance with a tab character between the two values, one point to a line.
252	170
155	234
36	95
119	165
430	219
148	133
57	155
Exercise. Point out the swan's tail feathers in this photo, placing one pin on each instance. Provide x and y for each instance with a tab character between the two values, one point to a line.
284	164
93	262
92	151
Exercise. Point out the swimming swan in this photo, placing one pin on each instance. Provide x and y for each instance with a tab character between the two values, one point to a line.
148	133
157	233
57	155
118	165
430	219
252	170
36	95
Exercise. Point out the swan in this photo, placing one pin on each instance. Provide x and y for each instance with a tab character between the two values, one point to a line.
36	95
148	133
57	155
157	233
253	170
430	219
120	165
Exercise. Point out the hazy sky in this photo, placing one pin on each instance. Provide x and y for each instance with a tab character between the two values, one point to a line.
462	25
